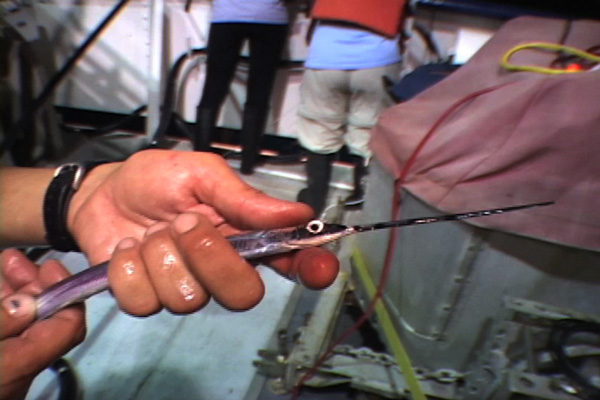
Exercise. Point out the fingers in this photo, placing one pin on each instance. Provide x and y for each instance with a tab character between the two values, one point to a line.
240	204
43	342
27	350
17	271
129	280
176	286
215	264
315	268
251	209
18	309
16	314
180	267
50	272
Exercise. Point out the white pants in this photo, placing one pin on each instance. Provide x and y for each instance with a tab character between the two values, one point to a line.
340	107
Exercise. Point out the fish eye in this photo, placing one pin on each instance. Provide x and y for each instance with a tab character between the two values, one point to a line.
315	226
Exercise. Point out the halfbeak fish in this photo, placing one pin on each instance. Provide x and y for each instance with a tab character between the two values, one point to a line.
250	245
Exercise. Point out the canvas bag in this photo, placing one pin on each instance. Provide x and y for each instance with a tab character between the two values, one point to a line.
537	138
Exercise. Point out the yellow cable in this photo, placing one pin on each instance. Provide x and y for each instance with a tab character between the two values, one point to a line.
504	62
388	328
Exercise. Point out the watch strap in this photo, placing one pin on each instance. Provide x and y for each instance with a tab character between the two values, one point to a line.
67	180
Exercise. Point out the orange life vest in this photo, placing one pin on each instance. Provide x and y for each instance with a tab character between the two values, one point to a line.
382	16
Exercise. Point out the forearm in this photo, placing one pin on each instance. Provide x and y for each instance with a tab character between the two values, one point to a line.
21	197
22	192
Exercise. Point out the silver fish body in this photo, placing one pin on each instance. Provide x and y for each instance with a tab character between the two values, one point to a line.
93	280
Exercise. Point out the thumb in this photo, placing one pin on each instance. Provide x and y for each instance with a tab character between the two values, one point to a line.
242	205
249	208
315	267
16	314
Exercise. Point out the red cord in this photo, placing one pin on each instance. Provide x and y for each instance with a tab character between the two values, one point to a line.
392	240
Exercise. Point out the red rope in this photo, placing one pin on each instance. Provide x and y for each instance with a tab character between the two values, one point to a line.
398	183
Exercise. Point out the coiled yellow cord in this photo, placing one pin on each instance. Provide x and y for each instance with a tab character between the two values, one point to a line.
504	62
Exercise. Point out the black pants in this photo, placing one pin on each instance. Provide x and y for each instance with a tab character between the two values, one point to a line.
266	42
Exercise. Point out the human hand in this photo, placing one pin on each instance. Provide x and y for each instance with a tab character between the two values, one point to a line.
163	216
27	349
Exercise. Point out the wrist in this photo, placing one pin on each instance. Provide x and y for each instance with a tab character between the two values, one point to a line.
92	181
67	181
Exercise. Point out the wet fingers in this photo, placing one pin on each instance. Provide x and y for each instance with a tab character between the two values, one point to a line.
215	264
129	280
176	287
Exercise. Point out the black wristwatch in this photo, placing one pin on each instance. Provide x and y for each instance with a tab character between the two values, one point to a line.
67	180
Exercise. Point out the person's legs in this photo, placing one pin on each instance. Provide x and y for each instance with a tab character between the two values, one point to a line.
223	49
369	98
323	109
357	197
266	46
318	175
321	125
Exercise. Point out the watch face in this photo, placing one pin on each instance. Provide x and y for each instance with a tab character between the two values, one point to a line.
73	168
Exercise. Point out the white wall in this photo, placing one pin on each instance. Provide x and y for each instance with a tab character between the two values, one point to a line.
113	74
